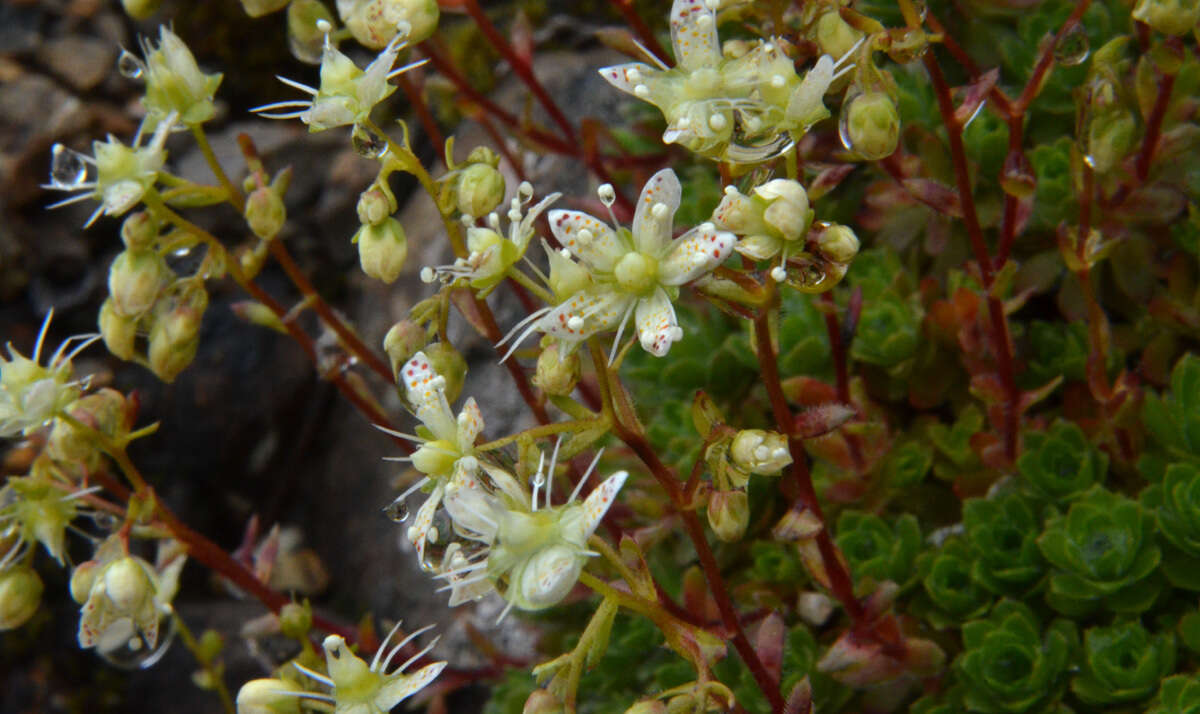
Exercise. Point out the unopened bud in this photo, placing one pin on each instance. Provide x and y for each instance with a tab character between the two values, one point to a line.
374	206
1110	138
541	701
838	243
450	365
557	371
295	620
304	22
814	608
787	208
103	410
127	584
1170	17
118	331
480	188
382	249
740	213
374	22
141	9
135	280
268	696
647	706
258	8
20	595
83	577
834	36
760	452
871	125
729	514
139	230
403	341
265	212
175	334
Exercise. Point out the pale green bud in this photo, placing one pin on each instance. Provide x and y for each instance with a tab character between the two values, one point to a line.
174	82
729	514
258	8
382	249
139	230
647	706
127	584
480	188
20	595
834	36
541	701
83	578
402	341
1110	138
450	365
374	206
136	279
268	696
557	373
838	243
374	22
871	125
175	333
118	331
787	209
295	620
103	410
760	452
1170	17
305	38
141	9
265	212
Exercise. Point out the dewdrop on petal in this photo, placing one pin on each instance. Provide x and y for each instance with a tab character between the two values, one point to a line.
759	451
269	696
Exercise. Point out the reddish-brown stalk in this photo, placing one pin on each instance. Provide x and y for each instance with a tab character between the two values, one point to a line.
413	93
639	27
841	368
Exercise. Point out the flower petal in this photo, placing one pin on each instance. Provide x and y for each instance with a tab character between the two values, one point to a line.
470	423
398	688
427	394
652	225
656	324
419	530
626	77
695	253
694	34
595	313
599	500
591	240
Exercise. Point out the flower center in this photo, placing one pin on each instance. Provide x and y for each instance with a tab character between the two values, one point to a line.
636	273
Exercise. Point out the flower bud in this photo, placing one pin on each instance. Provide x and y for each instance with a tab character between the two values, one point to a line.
729	514
403	341
450	365
20	595
557	372
265	212
382	249
295	620
566	276
740	213
258	8
760	452
135	280
870	125
127	585
1170	17
834	36
541	701
480	188
103	410
374	22
787	209
268	696
141	9
174	82
175	334
374	206
647	706
83	578
305	38
118	331
1109	139
838	243
139	230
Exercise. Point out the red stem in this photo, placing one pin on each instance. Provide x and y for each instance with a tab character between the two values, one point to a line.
638	25
1154	127
841	367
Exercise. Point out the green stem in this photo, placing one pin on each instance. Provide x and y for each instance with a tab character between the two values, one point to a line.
526	282
215	676
235	196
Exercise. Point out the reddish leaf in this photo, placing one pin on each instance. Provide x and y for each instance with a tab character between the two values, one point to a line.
828	179
937	196
768	644
988	388
973	96
822	419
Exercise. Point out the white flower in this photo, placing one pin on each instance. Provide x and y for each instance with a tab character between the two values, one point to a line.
491	254
174	82
347	94
32	394
633	273
705	94
123	173
359	688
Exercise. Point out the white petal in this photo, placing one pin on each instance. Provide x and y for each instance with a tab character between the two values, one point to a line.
595	313
400	687
427	393
599	246
627	76
419	530
599	500
651	225
695	253
470	424
694	34
656	324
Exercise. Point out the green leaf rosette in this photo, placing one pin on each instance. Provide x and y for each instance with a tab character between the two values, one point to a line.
1122	663
1002	532
1059	463
876	550
1179	695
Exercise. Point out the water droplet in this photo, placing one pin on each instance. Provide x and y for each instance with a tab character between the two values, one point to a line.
1073	48
136	653
397	511
130	65
368	143
1017	177
68	170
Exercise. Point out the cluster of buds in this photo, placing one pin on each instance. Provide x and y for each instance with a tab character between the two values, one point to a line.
775	220
382	244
